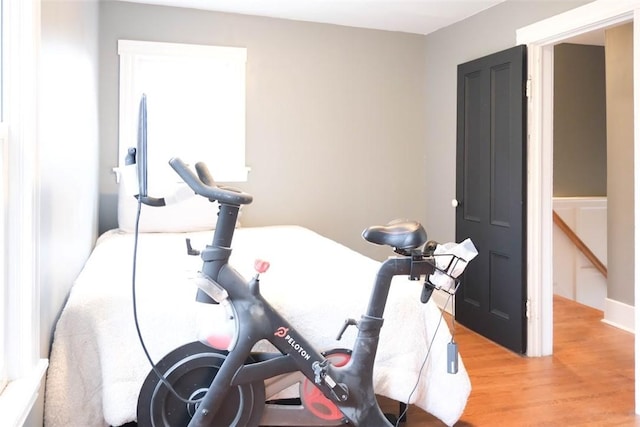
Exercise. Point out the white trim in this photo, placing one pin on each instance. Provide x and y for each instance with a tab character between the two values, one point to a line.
584	201
592	16
619	314
539	206
18	398
127	110
135	47
540	37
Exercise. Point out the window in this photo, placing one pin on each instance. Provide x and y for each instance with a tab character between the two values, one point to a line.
20	348
195	107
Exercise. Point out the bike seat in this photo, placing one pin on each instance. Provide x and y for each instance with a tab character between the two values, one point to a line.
399	234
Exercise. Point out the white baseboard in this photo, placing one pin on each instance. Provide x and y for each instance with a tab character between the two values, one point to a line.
619	314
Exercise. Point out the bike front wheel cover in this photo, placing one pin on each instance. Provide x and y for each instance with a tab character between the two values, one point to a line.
190	369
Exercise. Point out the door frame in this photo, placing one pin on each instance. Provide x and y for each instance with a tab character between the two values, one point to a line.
540	38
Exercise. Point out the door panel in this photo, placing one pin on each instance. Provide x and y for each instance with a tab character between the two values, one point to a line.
491	184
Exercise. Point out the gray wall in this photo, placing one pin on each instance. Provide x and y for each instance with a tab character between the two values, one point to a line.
620	200
335	116
487	32
68	149
580	121
68	155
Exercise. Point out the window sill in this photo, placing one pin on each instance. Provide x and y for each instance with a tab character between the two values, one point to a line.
17	399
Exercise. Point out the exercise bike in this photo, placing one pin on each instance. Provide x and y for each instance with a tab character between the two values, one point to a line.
224	383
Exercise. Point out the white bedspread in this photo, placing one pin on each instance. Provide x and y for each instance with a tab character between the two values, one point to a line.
97	365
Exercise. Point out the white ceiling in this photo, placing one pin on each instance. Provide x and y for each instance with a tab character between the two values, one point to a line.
410	16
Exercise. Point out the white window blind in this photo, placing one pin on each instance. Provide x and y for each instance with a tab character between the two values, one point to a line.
3	220
195	107
3	273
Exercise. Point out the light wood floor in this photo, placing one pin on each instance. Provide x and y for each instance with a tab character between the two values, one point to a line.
589	379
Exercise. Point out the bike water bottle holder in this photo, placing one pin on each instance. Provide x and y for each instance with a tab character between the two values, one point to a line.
447	270
220	329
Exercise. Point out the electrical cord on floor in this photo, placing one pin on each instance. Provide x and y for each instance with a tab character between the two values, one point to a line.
424	362
135	313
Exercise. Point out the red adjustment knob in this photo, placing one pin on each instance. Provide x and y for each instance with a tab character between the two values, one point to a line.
261	266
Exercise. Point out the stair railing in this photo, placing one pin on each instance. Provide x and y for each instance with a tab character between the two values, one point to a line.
582	247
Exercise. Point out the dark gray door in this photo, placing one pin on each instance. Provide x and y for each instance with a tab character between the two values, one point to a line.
491	195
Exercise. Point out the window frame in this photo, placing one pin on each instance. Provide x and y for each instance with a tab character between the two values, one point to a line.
20	281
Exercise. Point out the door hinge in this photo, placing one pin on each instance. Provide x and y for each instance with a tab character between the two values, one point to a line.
527	309
527	88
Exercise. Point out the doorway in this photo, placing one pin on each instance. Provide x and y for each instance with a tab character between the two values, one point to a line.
540	38
580	170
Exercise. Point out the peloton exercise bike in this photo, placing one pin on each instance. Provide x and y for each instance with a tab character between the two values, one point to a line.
197	385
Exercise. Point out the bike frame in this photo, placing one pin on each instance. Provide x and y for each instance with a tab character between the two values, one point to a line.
350	386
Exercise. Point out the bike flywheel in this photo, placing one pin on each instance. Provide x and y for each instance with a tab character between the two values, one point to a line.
190	369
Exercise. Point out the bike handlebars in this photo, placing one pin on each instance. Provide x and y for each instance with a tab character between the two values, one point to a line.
203	173
204	185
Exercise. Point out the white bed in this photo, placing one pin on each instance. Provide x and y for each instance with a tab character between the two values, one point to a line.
97	365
